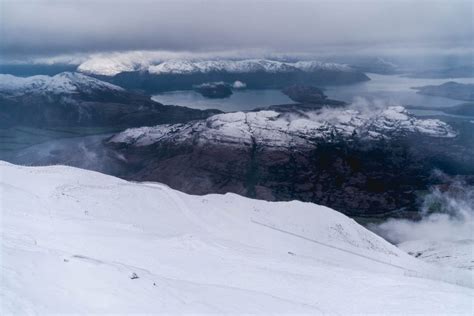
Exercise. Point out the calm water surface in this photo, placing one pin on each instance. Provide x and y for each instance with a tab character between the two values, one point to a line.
387	88
240	100
394	90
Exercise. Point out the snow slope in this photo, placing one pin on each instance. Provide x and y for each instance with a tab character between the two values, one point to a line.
270	128
83	242
454	253
63	83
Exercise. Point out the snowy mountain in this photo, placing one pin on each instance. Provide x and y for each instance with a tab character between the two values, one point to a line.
183	74
185	66
76	241
73	99
363	162
242	66
274	129
63	83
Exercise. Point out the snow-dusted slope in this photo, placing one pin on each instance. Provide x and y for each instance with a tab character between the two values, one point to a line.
270	128
454	253
82	242
111	66
241	66
63	83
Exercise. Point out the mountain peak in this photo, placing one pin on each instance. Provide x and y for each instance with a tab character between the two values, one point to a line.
62	83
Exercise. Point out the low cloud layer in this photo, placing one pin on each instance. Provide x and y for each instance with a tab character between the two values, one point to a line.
52	27
447	215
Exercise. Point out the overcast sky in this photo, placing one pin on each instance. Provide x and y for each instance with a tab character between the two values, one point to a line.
56	27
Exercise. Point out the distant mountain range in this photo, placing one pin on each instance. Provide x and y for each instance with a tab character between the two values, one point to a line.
183	74
183	66
255	73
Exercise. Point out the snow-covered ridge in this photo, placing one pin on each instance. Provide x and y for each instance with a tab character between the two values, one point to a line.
63	83
241	66
111	67
270	128
76	241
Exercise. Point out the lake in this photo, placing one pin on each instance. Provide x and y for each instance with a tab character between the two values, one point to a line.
240	100
392	89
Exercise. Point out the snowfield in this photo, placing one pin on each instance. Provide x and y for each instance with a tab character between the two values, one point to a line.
76	241
274	129
457	253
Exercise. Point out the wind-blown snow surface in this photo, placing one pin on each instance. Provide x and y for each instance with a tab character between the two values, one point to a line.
274	129
454	253
83	242
63	83
111	67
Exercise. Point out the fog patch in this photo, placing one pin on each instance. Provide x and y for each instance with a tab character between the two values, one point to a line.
447	214
239	85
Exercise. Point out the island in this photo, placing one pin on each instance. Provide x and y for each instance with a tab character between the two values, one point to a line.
214	90
451	90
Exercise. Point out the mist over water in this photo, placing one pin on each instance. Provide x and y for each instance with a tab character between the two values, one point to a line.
394	89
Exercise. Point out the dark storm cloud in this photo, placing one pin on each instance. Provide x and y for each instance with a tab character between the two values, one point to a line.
55	27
